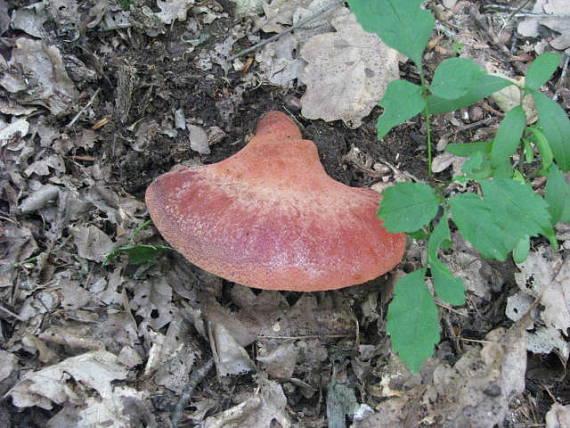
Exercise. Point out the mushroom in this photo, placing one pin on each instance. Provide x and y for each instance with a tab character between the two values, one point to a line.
270	217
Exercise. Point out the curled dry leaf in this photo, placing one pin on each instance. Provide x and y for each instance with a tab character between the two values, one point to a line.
347	72
36	75
49	386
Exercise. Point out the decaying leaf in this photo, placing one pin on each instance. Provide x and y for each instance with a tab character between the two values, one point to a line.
278	62
31	19
172	10
546	277
347	72
529	27
172	356
558	416
36	75
51	385
92	243
475	392
279	13
230	357
263	409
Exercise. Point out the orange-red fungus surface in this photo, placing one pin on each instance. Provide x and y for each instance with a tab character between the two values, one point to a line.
270	217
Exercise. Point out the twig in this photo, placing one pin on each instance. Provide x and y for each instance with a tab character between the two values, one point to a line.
9	312
195	379
462	128
302	22
83	109
516	12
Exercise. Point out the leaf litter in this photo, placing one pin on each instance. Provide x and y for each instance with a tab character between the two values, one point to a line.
116	344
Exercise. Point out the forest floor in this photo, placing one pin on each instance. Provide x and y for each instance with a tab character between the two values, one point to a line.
98	98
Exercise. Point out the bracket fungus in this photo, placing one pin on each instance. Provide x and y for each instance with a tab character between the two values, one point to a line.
270	217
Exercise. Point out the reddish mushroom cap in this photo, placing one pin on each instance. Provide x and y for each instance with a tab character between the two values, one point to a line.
270	217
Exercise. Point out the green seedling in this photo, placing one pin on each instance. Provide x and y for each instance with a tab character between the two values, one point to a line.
137	253
502	211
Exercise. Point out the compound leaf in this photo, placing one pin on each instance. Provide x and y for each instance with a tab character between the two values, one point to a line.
495	224
402	25
541	70
406	207
402	101
413	322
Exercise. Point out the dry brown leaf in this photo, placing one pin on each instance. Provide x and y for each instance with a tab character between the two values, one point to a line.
558	416
347	72
529	27
92	243
36	75
263	409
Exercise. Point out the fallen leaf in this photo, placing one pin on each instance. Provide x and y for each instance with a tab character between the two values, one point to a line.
173	10
263	409
31	19
347	72
198	139
558	416
230	357
92	243
529	27
36	75
51	385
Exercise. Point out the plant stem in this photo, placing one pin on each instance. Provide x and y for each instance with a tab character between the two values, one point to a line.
427	118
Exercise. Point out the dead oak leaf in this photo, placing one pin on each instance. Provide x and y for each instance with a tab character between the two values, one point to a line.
347	72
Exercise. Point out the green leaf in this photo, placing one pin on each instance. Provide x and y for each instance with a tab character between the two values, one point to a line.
402	25
418	235
477	166
402	101
407	207
465	150
522	250
528	151
486	85
546	155
555	125
455	77
541	70
557	195
137	253
508	136
413	322
447	287
508	212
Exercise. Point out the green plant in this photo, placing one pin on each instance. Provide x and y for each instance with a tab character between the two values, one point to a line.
125	4
137	253
499	211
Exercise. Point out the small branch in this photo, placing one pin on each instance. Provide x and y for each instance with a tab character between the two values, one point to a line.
12	314
70	124
196	377
299	24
